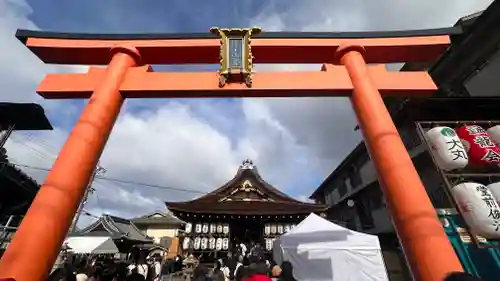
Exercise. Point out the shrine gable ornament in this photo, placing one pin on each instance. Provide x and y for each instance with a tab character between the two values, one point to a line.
235	54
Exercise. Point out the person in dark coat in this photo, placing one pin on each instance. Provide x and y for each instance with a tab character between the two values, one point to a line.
286	272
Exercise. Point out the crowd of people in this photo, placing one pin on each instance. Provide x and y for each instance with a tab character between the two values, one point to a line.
243	266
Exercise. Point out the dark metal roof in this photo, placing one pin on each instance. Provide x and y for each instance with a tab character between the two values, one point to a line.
23	35
158	218
116	227
24	116
277	202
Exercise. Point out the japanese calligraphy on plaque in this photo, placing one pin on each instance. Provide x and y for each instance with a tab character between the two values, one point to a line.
235	54
479	208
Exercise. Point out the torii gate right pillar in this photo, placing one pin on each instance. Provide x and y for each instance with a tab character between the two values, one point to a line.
424	242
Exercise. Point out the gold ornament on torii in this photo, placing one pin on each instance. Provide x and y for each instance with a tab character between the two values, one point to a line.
235	54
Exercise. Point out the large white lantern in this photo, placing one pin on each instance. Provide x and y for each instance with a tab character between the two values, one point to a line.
213	228
185	243
280	229
494	133
219	228
204	228
479	208
225	229
197	228
267	229
495	190
211	243
225	243
218	244
197	242
189	227
447	149
269	244
204	243
273	228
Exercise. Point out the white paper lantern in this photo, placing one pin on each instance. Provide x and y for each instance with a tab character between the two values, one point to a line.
478	208
287	228
204	228
225	228
213	228
447	149
267	229
197	242
219	228
225	243
495	190
292	226
204	243
211	243
197	228
189	227
280	229
269	244
185	243
273	228
218	244
494	133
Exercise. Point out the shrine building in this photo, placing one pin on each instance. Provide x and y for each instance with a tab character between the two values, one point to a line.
245	209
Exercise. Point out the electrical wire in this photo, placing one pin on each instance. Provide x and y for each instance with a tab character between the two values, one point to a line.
144	184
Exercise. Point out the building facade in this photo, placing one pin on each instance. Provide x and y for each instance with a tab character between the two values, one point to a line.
469	89
246	209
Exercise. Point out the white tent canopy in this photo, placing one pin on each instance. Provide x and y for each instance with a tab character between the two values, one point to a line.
320	250
91	245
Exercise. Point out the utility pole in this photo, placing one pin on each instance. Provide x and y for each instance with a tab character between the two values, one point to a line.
98	171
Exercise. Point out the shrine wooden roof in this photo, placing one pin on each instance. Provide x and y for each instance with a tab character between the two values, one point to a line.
115	227
248	194
158	218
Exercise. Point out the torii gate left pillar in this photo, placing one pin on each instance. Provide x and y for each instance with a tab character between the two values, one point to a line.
37	242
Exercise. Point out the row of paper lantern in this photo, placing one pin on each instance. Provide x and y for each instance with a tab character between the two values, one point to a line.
208	228
271	229
205	243
269	243
469	144
479	207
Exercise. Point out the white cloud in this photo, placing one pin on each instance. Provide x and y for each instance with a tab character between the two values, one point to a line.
198	145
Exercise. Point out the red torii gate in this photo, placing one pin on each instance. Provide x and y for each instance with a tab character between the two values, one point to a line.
344	56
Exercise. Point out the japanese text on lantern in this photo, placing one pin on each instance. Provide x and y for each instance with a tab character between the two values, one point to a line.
491	203
454	145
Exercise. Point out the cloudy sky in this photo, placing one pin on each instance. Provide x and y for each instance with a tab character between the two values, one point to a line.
197	145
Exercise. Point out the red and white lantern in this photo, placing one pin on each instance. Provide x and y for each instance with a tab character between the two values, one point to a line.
446	148
479	208
481	149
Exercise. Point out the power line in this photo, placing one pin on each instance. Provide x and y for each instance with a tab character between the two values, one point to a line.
143	184
120	181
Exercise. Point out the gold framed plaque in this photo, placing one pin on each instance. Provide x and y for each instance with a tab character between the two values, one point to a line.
235	54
